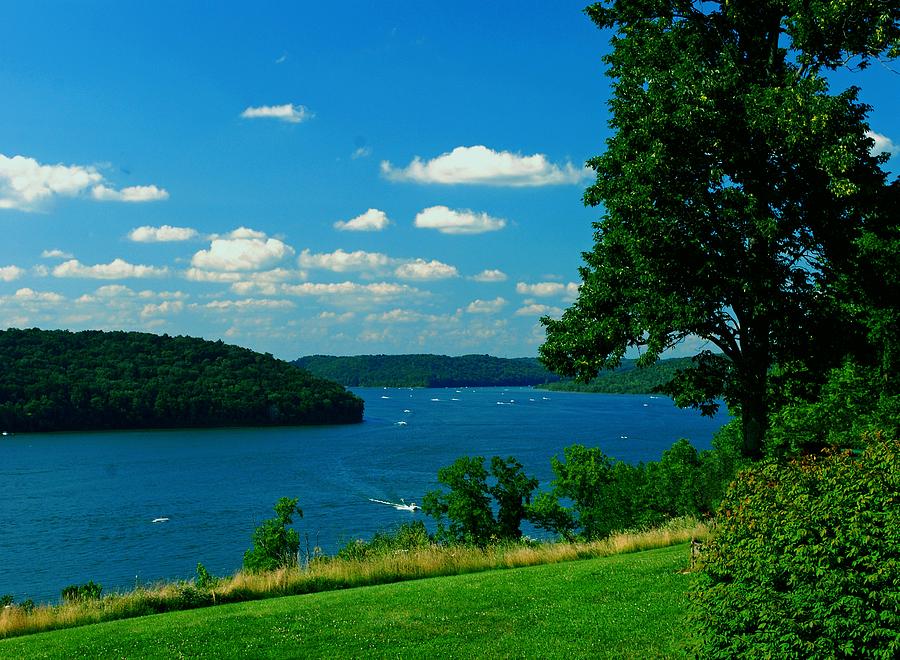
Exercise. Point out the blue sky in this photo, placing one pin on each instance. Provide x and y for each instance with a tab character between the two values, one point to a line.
385	177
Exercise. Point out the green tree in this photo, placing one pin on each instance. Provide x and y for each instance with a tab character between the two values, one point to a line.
740	197
512	492
275	545
469	501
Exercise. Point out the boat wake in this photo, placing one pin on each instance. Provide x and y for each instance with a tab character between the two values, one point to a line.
401	506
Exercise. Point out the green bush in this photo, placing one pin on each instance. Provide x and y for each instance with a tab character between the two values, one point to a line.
406	537
274	544
806	559
79	592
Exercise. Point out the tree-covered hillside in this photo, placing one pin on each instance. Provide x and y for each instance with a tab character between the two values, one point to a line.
60	380
628	378
426	370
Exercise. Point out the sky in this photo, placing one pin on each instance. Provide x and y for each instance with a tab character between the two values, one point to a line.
368	177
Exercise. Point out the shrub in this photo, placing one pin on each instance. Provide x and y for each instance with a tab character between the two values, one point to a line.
806	560
274	544
406	537
80	592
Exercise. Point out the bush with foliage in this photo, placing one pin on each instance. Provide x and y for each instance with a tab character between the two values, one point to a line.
594	495
90	590
406	537
275	545
806	559
468	506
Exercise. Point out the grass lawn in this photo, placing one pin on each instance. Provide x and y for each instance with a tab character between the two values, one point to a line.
624	606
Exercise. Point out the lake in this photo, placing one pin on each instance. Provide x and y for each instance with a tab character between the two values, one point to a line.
80	506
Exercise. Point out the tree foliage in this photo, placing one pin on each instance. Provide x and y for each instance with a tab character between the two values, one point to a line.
275	545
468	505
806	559
741	199
59	380
593	496
427	370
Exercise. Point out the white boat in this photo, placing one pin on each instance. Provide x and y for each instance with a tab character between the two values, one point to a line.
402	506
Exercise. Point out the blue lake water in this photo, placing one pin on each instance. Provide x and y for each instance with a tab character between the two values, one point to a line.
79	506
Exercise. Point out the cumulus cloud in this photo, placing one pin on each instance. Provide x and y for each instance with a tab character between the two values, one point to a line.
25	183
351	292
116	269
419	269
341	261
449	221
480	165
289	112
486	306
130	194
10	273
242	250
883	144
546	289
490	275
162	309
538	310
361	152
371	220
164	234
250	303
30	295
56	254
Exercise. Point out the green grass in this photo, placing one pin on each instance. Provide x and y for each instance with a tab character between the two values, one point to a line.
623	606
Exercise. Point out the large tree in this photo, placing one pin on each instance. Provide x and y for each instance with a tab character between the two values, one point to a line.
737	190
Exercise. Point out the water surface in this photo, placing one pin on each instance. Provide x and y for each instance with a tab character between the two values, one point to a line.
79	506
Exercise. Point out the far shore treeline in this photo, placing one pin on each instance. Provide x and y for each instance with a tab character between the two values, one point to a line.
56	380
423	370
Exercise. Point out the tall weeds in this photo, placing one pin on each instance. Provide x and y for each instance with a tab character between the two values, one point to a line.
330	573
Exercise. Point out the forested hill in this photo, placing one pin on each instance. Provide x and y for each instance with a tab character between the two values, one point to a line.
427	370
60	380
627	378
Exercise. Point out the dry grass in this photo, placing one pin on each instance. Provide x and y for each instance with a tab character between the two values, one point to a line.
330	573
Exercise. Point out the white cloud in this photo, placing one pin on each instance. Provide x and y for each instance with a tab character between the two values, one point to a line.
361	152
25	183
371	220
546	289
116	269
55	254
480	165
293	114
883	144
490	275
337	318
114	291
250	303
30	295
340	261
162	309
245	250
10	273
448	221
486	306
199	275
538	310
343	292
130	194
164	234
420	269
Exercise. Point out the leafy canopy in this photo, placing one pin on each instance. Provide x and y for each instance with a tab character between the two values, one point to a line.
738	196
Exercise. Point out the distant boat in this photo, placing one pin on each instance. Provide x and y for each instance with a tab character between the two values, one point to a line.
400	423
160	520
402	506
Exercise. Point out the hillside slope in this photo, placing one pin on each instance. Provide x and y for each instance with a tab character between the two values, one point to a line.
624	606
59	380
423	370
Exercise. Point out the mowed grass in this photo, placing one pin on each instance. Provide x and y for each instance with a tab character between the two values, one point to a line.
623	606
